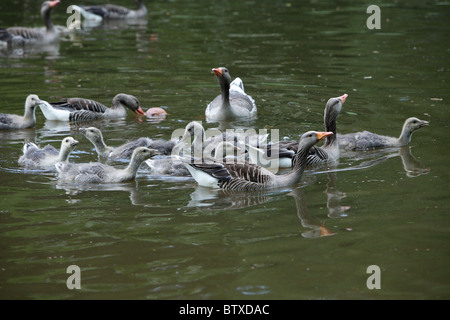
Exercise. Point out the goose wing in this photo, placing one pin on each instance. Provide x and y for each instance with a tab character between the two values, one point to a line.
74	104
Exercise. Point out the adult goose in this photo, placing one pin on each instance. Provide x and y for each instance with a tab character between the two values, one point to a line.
247	177
233	102
286	150
16	36
80	109
96	172
112	12
124	151
36	157
367	140
13	121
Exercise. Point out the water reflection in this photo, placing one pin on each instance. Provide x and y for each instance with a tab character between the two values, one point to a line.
223	199
412	166
317	229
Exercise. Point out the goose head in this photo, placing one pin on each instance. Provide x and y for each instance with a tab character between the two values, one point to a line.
194	131
141	154
332	109
93	134
129	101
310	138
32	101
69	143
412	124
223	75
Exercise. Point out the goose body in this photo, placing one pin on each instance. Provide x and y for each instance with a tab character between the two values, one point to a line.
96	172
124	151
28	120
366	140
80	109
112	12
286	150
233	102
248	177
36	157
16	36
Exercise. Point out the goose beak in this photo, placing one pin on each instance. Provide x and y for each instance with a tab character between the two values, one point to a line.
343	97
321	135
83	130
424	124
53	3
74	143
139	110
217	71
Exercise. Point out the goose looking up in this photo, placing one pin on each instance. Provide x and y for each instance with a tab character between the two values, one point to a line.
247	177
13	121
35	157
80	109
22	35
111	11
96	172
233	102
367	140
125	151
327	153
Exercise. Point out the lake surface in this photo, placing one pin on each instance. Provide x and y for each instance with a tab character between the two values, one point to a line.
163	237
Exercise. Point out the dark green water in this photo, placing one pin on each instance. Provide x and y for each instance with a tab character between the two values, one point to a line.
164	237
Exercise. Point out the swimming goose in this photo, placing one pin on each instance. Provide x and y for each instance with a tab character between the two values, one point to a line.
36	157
111	11
15	36
327	153
247	177
125	151
13	121
233	103
366	140
96	172
80	109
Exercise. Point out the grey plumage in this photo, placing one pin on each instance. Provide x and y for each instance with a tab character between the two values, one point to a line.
233	102
28	120
366	140
36	157
95	172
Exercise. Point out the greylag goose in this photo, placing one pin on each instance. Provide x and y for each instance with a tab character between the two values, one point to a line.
247	177
36	157
80	109
327	153
367	140
111	11
96	172
125	151
233	102
15	36
13	121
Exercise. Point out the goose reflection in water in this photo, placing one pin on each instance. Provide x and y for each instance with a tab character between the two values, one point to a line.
412	166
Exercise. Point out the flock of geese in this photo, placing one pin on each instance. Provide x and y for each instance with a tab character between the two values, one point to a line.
230	161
